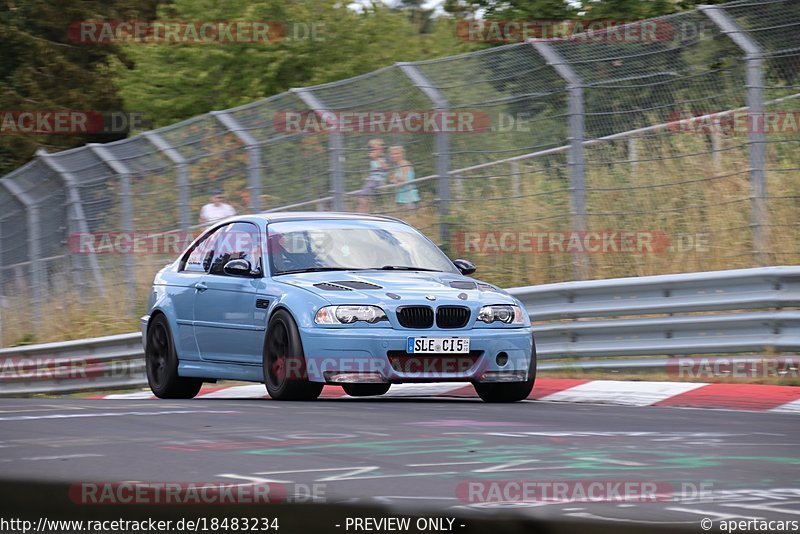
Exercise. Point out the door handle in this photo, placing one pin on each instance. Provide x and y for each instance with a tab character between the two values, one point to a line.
200	286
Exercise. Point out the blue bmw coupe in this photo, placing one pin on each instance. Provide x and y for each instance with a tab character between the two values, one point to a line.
299	300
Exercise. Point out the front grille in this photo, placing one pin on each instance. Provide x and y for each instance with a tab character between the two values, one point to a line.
452	316
415	316
403	362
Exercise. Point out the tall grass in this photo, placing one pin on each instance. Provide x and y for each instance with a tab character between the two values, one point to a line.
677	186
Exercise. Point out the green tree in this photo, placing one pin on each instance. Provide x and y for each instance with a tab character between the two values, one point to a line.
628	10
421	17
170	82
42	69
512	9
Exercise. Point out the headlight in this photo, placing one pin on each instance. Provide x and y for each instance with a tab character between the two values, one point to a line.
504	313
349	314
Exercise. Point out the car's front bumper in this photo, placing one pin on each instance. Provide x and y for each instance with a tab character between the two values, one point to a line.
378	354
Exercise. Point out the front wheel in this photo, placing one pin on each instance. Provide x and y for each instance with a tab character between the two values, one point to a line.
161	364
284	361
365	390
509	391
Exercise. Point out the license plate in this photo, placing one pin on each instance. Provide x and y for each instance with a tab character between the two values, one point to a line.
429	345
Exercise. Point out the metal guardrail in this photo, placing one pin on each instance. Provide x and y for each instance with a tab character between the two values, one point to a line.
102	363
721	312
718	312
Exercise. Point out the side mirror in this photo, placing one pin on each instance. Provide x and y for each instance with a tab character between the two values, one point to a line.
465	266
238	268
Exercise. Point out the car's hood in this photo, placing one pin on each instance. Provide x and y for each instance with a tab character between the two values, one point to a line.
412	287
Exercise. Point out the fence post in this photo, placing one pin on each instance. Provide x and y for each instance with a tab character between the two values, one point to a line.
34	247
575	160
76	208
335	147
716	150
442	144
2	264
127	210
253	155
753	57
183	175
633	154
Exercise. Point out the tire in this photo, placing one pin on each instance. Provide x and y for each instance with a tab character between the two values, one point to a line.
365	390
510	391
284	362
161	364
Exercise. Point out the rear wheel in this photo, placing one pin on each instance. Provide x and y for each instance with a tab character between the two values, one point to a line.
365	390
284	362
509	391
161	364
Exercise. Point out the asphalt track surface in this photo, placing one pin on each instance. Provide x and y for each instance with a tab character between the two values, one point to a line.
419	453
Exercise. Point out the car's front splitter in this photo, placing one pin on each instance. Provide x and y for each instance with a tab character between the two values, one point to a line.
370	354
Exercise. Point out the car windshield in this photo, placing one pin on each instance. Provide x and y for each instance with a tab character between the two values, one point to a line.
320	245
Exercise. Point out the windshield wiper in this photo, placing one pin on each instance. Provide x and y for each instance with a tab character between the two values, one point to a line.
406	268
316	270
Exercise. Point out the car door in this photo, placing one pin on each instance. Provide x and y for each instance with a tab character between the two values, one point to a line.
183	291
229	316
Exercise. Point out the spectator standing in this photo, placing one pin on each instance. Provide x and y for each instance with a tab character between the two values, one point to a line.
378	170
217	209
403	172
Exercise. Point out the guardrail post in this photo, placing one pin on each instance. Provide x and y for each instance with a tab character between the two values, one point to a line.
76	209
182	168
753	57
335	147
253	155
127	210
576	134
34	247
442	144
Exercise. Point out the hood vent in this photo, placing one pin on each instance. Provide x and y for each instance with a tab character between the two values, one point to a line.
458	284
325	286
487	287
357	284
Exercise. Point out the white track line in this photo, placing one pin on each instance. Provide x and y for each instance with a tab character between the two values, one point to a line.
137	395
789	407
422	390
252	391
622	392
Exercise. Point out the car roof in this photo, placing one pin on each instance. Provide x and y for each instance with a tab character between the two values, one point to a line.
282	216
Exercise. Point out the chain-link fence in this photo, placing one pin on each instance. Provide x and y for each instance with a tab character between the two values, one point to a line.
662	146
